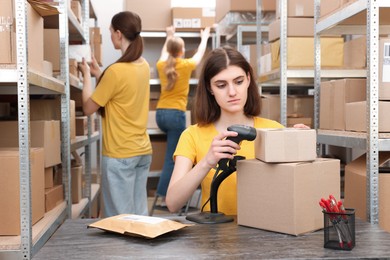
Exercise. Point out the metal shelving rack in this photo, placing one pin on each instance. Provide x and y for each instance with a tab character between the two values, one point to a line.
23	82
372	141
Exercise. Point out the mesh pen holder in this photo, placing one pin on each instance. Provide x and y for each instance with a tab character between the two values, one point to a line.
339	230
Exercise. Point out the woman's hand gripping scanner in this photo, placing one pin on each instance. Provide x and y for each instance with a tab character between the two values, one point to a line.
227	167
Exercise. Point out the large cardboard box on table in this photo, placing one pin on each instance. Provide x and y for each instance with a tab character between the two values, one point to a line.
356	189
335	94
10	189
156	16
356	117
284	197
300	52
44	134
8	36
285	145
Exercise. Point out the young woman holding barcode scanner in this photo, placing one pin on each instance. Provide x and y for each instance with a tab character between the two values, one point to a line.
227	94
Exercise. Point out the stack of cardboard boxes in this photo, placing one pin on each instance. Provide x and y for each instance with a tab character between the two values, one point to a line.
280	189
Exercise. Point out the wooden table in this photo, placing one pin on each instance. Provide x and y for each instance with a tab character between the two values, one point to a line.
208	241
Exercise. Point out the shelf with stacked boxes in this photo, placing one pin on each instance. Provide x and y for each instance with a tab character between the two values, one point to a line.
364	123
30	89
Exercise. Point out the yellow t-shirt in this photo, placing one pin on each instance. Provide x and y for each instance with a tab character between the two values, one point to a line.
194	144
177	97
124	93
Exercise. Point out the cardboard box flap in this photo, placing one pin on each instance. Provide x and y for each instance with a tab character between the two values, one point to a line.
43	9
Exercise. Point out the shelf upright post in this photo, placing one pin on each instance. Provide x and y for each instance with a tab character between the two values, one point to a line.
283	61
372	112
87	190
65	115
24	129
317	70
258	36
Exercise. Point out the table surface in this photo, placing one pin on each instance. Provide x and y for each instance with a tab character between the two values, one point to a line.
73	240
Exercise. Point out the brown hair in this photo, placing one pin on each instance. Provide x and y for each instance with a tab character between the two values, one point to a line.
174	48
206	108
130	25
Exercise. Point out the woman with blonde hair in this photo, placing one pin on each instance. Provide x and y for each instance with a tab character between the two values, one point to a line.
174	73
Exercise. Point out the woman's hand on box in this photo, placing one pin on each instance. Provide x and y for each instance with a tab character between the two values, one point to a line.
302	126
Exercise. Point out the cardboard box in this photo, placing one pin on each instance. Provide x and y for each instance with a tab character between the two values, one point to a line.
384	69
44	134
356	189
8	36
355	53
296	27
300	52
186	17
81	125
285	145
10	189
53	197
356	118
51	43
49	177
298	8
334	95
159	147
222	7
155	17
298	106
76	183
76	9
96	43
284	197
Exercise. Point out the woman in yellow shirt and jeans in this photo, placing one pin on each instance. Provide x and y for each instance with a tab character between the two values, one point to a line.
123	92
174	72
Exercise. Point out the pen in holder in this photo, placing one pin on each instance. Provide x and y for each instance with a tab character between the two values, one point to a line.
339	230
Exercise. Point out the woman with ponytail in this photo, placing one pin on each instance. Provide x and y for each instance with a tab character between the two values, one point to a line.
122	91
174	72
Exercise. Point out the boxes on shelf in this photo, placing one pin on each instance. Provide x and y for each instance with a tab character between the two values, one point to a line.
5	109
298	8
356	189
49	177
222	7
76	9
296	27
81	125
356	117
53	197
44	134
285	145
8	36
297	107
10	189
291	121
384	68
289	194
77	192
47	68
355	53
51	43
155	17
159	146
300	52
192	18
330	6
96	43
335	94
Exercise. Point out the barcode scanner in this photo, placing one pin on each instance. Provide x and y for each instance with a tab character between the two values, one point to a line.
227	166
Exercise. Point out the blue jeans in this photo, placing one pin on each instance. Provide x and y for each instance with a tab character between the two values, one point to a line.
173	123
124	185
